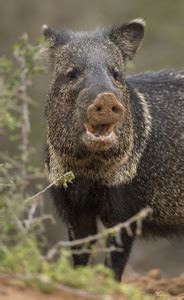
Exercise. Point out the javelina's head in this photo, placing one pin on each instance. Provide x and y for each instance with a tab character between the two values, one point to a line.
88	103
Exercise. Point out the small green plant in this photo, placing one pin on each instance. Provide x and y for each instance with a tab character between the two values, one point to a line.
68	178
26	259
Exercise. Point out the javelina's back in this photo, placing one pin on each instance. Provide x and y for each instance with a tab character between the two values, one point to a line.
160	172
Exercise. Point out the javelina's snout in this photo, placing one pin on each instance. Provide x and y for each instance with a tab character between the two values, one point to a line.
106	109
102	116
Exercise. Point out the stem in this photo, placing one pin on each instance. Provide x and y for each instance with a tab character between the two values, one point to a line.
25	119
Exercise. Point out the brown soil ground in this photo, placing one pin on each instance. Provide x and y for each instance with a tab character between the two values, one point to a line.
10	291
152	283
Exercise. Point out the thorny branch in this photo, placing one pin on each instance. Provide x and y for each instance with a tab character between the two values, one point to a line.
67	177
96	250
25	126
102	235
26	225
36	196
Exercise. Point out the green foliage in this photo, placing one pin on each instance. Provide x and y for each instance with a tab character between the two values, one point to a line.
5	66
68	178
30	54
15	78
26	60
25	258
7	93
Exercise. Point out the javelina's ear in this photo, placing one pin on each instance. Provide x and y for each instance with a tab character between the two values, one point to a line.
128	37
54	39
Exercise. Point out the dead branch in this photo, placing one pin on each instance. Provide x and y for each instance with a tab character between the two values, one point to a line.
95	250
101	235
23	99
37	195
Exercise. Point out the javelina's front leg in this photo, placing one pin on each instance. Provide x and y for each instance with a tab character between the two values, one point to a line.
81	227
117	260
123	242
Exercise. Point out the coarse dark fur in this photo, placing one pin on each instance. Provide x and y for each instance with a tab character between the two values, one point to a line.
145	165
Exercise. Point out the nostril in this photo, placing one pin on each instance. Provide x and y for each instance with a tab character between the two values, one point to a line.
99	108
114	109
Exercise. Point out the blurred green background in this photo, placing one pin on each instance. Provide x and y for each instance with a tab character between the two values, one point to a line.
163	47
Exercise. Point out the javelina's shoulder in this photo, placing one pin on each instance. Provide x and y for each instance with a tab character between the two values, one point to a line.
159	77
161	89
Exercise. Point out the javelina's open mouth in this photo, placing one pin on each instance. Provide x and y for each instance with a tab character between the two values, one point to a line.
99	136
102	130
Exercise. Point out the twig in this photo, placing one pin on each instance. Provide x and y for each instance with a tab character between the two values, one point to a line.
41	192
25	128
97	250
32	212
103	234
53	251
26	225
63	178
25	119
37	220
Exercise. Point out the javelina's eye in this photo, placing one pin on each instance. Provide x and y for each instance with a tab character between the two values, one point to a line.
72	73
116	74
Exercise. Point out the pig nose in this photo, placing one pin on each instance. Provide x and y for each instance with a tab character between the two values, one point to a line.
106	109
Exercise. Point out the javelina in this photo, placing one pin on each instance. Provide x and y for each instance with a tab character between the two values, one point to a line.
121	136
